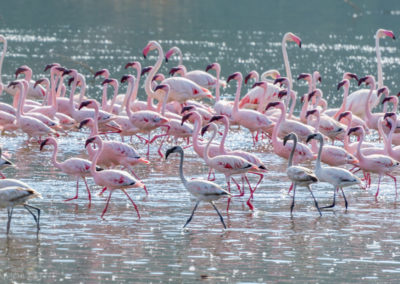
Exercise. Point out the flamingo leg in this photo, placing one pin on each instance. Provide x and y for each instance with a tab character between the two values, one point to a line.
9	213
191	216
377	191
108	201
211	171
88	191
292	205
315	200
134	174
238	187
251	194
2	176
133	203
102	191
345	199
229	190
77	189
334	200
148	146
37	219
161	144
395	182
219	214
290	188
260	179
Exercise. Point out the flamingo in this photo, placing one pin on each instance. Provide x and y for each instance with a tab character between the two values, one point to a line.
302	153
203	190
173	50
228	164
337	177
76	167
393	152
252	120
379	164
299	175
111	179
357	100
12	196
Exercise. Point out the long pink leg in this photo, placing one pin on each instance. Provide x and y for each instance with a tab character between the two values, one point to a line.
238	187
108	201
395	182
159	148
102	191
254	141
88	191
229	190
141	138
261	177
134	174
76	196
377	191
2	176
251	194
211	171
290	188
148	147
133	203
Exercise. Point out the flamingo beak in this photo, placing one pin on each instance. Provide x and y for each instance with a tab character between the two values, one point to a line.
124	78
146	70
90	140
210	66
19	71
84	104
274	104
43	143
215	118
143	160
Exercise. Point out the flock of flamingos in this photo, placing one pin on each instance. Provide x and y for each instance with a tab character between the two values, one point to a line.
41	110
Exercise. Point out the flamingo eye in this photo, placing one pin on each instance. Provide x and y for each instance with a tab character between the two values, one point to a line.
195	92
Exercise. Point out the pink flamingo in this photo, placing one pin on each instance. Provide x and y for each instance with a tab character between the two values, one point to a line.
111	179
76	167
393	152
250	119
379	164
228	164
337	177
173	50
302	152
201	189
299	175
331	155
356	101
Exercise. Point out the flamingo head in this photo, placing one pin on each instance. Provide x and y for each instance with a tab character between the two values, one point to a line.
391	115
88	121
344	82
22	70
175	70
173	150
311	95
45	142
163	87
282	80
273	104
216	118
41	81
383	90
103	72
385	33
186	117
368	80
112	82
134	64
313	136
311	112
187	108
389	99
212	66
13	84
49	66
252	74
91	140
305	76
349	76
344	114
282	93
317	76
293	37
150	46
235	76
356	130
126	78
87	103
205	128
273	73
290	136
158	77
146	70
261	84
169	53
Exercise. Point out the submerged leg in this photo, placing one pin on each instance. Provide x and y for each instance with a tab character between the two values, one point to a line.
345	199
77	189
191	216
37	219
334	200
377	191
108	201
133	203
294	194
88	191
220	216
9	212
395	182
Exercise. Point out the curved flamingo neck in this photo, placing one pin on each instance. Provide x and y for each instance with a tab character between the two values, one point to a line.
153	71
116	87
164	102
346	137
96	157
226	129
54	156
104	95
135	88
286	60
343	106
2	58
293	98
20	96
278	123
182	176
206	156
360	155
198	121
290	162
304	108
379	61
237	96
129	94
321	145
83	88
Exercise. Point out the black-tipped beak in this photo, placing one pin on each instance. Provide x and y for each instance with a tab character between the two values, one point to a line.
310	112
186	108
83	123
159	87
388	114
282	93
310	95
279	80
19	71
84	104
353	76
273	104
387	99
381	90
303	76
48	66
362	80
106	81
42	144
185	117
38	82
310	137
354	129
258	84
70	81
341	84
215	118
90	140
231	77
129	64
99	73
124	78
204	129
343	114
174	70
210	66
146	70
12	84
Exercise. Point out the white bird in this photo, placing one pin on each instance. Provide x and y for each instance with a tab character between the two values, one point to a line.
299	175
15	195
203	190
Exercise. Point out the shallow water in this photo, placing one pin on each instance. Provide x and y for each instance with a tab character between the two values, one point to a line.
266	245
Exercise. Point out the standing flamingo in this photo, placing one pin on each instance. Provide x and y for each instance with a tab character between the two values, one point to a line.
79	168
111	179
299	175
12	196
337	177
201	189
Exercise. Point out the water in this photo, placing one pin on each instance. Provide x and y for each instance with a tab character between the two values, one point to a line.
75	245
